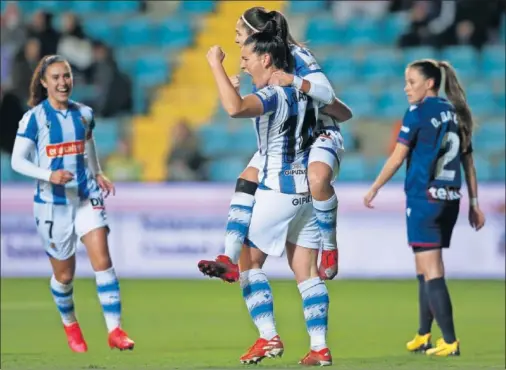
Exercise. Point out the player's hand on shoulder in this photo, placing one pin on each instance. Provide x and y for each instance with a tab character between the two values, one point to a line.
280	78
105	185
61	177
476	218
236	82
215	55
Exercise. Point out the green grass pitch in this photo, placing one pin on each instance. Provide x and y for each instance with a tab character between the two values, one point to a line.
181	324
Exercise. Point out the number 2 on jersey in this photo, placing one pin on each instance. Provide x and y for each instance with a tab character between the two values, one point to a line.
452	140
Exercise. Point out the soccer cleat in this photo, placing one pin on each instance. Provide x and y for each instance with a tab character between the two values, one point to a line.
444	349
317	358
75	338
119	339
329	264
263	348
222	268
420	343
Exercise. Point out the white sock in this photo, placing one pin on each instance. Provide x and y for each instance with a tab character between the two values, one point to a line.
315	300
239	219
109	297
63	297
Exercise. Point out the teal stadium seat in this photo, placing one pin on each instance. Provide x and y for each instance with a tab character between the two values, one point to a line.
484	171
226	170
305	7
481	100
242	140
349	140
122	7
106	135
86	6
98	29
490	137
409	55
392	27
392	103
382	66
377	165
137	32
339	70
200	7
354	168
213	140
174	33
362	32
152	69
360	99
465	59
6	169
500	171
493	62
53	6
323	31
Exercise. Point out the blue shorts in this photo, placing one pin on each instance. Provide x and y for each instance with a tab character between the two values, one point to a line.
430	224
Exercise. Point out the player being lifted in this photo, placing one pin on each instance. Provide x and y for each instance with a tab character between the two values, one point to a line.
284	119
306	76
436	140
55	146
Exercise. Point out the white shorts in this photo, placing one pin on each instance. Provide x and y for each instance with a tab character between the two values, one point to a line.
61	226
328	148
278	218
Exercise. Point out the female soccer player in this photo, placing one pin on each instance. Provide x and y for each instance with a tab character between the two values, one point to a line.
283	117
324	159
55	146
436	139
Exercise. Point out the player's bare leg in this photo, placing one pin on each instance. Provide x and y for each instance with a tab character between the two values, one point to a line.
315	302
62	290
258	297
325	203
239	217
431	263
107	287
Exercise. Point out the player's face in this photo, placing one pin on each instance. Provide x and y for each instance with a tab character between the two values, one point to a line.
417	86
240	33
255	65
58	82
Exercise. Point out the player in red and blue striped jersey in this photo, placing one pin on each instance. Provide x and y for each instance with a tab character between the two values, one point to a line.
55	146
435	138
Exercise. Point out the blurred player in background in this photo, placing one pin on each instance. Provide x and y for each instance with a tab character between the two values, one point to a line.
284	119
55	146
436	140
324	159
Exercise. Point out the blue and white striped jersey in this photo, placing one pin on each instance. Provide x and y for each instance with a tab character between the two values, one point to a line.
285	134
305	62
60	138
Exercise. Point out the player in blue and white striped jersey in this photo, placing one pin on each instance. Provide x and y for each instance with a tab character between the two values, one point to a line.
55	146
284	121
325	155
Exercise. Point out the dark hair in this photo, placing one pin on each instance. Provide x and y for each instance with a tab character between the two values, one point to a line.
432	69
267	42
37	91
258	18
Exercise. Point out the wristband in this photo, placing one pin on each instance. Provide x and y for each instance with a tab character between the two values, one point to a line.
473	202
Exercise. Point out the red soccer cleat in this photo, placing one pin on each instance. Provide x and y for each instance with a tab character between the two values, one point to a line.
119	339
222	268
317	358
263	348
75	338
329	264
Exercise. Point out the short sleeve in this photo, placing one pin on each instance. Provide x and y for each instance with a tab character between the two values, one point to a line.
410	126
305	63
269	97
28	127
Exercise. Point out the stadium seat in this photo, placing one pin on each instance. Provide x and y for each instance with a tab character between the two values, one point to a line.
393	26
196	6
107	134
86	6
174	33
137	32
482	100
490	137
464	59
5	165
213	140
377	165
362	32
339	70
409	55
152	69
499	171
360	99
381	65
119	7
323	31
305	7
493	62
98	29
483	168
354	168
226	169
392	103
54	6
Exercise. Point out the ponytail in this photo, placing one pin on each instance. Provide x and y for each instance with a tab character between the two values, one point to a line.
268	42
37	91
457	96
